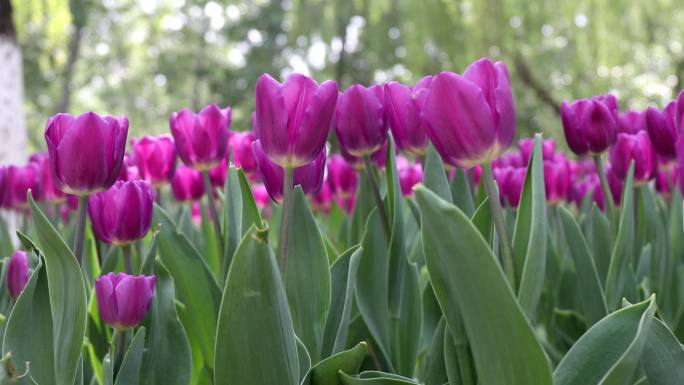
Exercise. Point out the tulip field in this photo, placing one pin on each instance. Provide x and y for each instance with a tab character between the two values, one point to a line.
389	234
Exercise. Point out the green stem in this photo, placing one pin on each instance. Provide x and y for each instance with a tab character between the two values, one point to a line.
127	258
214	213
285	219
376	193
79	240
497	212
605	187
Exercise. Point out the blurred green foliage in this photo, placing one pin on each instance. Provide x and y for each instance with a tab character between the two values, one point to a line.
146	58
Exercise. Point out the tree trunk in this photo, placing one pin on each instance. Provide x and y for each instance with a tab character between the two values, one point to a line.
12	115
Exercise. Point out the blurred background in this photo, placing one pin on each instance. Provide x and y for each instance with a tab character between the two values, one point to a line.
146	58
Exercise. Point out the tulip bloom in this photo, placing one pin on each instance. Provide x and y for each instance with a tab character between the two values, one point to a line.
187	184
556	179
123	300
634	147
403	106
122	214
360	120
17	273
662	130
129	171
243	155
665	180
21	179
155	157
471	118
292	120
590	125
631	122
322	200
50	192
510	181
342	177
5	195
218	174
309	176
409	175
615	185
202	138
86	152
526	146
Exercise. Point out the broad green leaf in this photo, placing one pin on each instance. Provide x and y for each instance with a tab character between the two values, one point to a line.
28	335
435	368
307	277
68	303
326	371
5	238
591	292
343	281
530	235
663	357
465	275
461	193
482	220
458	357
167	359
619	268
107	370
610	351
363	205
207	240
255	341
601	242
10	375
375	378
451	363
195	285
434	176
303	357
129	373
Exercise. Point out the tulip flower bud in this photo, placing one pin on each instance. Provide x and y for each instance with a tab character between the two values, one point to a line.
129	171
201	139
49	190
665	180
662	130
526	146
631	122
556	179
243	155
590	125
342	177
322	200
360	120
86	152
309	176
261	197
403	106
409	175
633	147
5	194
292	120
510	181
187	184
122	214
17	273
218	174
21	179
471	118
155	157
614	183
123	300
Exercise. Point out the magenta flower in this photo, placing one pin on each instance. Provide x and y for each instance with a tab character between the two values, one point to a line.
49	190
403	106
155	157
243	155
662	130
292	120
5	193
21	179
342	177
86	152
633	147
360	122
590	125
471	118
122	214
526	146
557	179
409	175
510	181
201	139
17	273
123	300
187	184
631	122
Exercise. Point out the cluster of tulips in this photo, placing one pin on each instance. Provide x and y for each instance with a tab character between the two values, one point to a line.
241	313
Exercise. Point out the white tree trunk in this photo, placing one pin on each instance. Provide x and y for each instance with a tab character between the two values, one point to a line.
12	115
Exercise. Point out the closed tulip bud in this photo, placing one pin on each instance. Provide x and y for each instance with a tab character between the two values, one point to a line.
631	122
187	184
292	120
201	139
86	152
556	180
665	179
218	174
409	175
322	200
360	120
123	300
21	179
122	214
261	197
471	118
662	130
50	191
615	185
403	106
129	171
633	147
342	177
309	176
155	157
510	181
17	273
590	125
243	155
526	146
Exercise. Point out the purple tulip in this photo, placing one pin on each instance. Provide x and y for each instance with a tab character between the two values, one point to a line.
292	120
633	147
471	118
342	177
665	179
590	125
510	181
202	138
122	214
218	174
309	176
615	185
526	146
17	273
5	194
123	300
360	122
557	179
631	122
187	184
662	130
21	179
243	155
49	190
86	152
155	157
409	175
403	106
129	170
679	111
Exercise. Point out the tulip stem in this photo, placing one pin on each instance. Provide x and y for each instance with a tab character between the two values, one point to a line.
79	239
127	258
605	187
497	212
214	213
285	219
376	193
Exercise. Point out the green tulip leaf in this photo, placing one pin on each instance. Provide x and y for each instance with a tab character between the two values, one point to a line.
434	176
375	378
461	192
303	357
129	373
435	368
326	371
663	357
